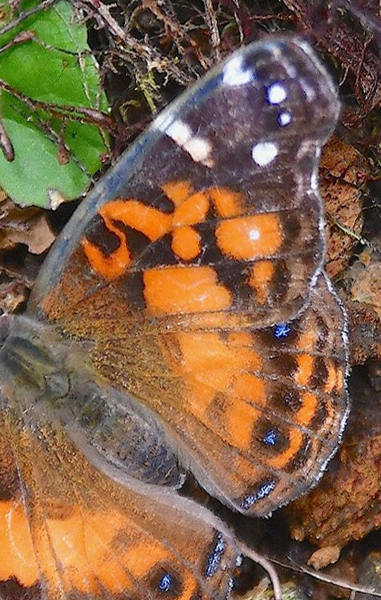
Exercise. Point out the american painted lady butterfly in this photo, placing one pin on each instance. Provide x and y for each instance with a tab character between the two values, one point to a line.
182	321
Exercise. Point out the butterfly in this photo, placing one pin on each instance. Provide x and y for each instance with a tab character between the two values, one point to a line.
182	322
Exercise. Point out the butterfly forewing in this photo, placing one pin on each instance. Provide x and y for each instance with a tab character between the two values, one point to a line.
221	194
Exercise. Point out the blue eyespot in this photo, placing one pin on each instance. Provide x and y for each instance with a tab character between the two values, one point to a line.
214	557
270	438
165	583
264	490
282	331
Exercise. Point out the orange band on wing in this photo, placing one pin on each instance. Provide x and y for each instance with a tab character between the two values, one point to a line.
151	222
260	278
308	409
184	290
240	424
295	443
305	364
206	351
250	388
307	339
108	266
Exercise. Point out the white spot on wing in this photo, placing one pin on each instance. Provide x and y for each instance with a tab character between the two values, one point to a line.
200	149
276	93
254	234
264	153
180	132
234	73
284	118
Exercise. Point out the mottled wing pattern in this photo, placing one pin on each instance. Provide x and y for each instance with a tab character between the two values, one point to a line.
261	411
194	268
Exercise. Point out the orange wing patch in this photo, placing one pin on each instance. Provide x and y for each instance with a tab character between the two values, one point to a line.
150	221
186	243
260	279
184	290
17	554
295	442
248	238
305	369
227	202
190	208
81	544
307	410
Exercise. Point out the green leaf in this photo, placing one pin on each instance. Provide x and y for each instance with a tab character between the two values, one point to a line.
53	68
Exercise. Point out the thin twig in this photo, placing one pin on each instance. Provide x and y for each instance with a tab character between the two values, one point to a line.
211	21
326	579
